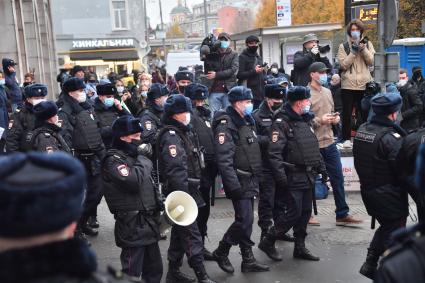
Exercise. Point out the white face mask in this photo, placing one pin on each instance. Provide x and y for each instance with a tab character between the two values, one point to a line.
37	101
274	70
187	120
81	97
120	89
402	83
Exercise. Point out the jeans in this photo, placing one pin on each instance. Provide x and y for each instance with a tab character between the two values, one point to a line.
333	164
218	101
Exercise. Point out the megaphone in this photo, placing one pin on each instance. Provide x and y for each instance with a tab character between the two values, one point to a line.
180	209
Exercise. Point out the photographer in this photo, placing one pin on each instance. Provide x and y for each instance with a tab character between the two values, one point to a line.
251	70
355	57
303	59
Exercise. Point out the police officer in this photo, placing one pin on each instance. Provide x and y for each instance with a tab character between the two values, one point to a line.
183	78
263	116
107	110
375	149
24	119
47	135
180	164
131	197
45	192
295	161
239	162
81	130
201	124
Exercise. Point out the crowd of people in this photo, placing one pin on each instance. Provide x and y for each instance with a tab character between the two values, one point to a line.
136	139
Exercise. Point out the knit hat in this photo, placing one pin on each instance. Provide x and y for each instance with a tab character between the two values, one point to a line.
176	104
73	84
298	93
126	125
45	110
238	93
275	91
252	38
35	90
386	103
196	92
157	90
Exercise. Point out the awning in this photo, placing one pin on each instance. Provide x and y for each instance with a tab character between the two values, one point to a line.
127	54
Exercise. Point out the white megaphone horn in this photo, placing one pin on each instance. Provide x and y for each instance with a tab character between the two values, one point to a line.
180	209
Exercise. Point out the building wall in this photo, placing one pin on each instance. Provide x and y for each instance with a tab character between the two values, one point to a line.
28	38
235	19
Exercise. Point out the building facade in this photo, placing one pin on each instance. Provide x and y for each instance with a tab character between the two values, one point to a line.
28	38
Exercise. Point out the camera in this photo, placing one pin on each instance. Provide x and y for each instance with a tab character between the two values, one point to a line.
365	40
324	49
264	65
209	53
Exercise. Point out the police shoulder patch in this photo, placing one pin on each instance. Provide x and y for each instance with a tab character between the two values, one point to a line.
148	125
173	150
123	170
275	136
49	149
221	138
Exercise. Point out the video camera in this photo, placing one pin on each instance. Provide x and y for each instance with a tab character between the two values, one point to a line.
209	53
324	49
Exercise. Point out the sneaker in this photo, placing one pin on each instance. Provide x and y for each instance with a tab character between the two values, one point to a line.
313	221
340	146
348	220
347	144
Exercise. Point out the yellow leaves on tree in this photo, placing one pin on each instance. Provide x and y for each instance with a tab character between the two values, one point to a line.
303	12
411	15
174	31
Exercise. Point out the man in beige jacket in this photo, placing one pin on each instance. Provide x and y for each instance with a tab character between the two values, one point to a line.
322	106
355	58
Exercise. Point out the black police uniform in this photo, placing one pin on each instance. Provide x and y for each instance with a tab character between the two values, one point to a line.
81	130
23	123
106	116
131	197
375	149
150	120
47	137
239	162
295	160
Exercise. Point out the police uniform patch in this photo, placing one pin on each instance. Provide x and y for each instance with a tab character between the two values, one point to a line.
123	170
10	124
173	150
221	138
275	136
208	124
49	149
148	125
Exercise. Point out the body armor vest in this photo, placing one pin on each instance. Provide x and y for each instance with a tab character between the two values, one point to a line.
106	117
247	152
154	118
42	130
86	135
28	124
373	171
202	127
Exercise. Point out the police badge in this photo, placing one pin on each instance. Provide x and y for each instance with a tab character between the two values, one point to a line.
123	170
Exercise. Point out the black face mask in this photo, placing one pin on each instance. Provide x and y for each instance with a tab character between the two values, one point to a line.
276	106
27	84
252	49
181	89
417	76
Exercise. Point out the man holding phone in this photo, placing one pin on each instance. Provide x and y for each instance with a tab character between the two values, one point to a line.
322	105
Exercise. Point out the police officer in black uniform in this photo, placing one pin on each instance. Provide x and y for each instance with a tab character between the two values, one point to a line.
81	131
375	149
239	163
46	136
405	260
296	161
131	197
180	163
107	110
183	78
24	119
201	123
263	116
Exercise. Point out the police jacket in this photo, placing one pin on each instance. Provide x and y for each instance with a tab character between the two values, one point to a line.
23	122
247	74
150	119
375	149
80	127
412	108
131	195
294	152
263	117
180	159
69	261
46	137
106	116
302	61
201	122
238	153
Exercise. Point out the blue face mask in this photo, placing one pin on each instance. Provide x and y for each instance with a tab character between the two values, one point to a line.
248	109
144	94
2	82
306	109
323	79
224	44
355	34
109	101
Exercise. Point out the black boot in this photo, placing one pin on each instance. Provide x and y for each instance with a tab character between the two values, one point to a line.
79	235
300	251
207	254
202	275
221	256
369	267
174	275
85	228
284	237
249	263
267	245
92	222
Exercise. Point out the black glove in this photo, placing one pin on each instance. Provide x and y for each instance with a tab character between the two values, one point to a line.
145	149
325	177
235	194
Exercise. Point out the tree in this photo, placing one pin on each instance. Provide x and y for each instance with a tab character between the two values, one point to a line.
266	15
411	15
174	31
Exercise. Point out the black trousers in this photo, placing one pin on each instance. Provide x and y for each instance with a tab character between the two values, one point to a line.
186	239
266	202
239	233
382	237
207	184
145	261
350	99
297	211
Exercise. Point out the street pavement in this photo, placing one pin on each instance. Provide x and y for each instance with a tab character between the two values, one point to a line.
342	249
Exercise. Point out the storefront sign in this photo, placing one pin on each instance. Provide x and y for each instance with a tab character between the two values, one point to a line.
283	13
102	43
368	14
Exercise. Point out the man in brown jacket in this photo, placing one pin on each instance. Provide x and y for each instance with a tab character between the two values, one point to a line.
322	105
355	58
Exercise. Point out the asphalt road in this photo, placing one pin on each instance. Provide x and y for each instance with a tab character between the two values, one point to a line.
342	249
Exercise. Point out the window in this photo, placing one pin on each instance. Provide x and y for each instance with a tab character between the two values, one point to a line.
119	14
